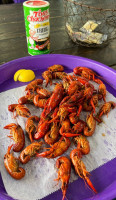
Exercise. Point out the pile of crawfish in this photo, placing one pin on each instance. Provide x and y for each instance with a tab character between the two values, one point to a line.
59	123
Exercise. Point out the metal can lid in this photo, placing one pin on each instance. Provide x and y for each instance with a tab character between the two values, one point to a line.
36	4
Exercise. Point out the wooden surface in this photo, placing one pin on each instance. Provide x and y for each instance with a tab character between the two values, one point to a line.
13	38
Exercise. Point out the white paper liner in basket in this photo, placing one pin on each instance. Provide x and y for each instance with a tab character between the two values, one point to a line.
40	173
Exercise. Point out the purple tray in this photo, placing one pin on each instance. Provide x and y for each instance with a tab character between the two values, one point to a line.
19	1
104	177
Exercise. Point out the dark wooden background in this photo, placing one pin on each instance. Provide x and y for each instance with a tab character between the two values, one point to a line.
13	38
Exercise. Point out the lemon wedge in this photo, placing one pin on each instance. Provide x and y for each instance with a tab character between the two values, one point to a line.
24	75
16	75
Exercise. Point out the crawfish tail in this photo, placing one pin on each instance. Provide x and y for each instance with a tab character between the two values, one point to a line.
22	100
44	154
42	130
64	194
39	102
24	158
90	184
18	175
69	134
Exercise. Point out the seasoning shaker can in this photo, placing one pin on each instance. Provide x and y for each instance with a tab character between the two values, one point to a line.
36	15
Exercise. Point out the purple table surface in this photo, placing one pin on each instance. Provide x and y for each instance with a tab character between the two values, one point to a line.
104	177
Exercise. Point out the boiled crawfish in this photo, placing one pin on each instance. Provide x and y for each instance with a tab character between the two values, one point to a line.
54	115
85	72
85	83
31	87
63	165
57	149
80	168
75	86
88	93
65	83
102	91
30	151
55	71
43	93
39	102
11	164
43	128
73	118
82	144
23	100
26	99
92	103
59	75
91	125
74	99
66	127
30	97
105	109
17	134
52	135
47	75
56	68
66	130
21	110
31	126
79	127
54	100
64	111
